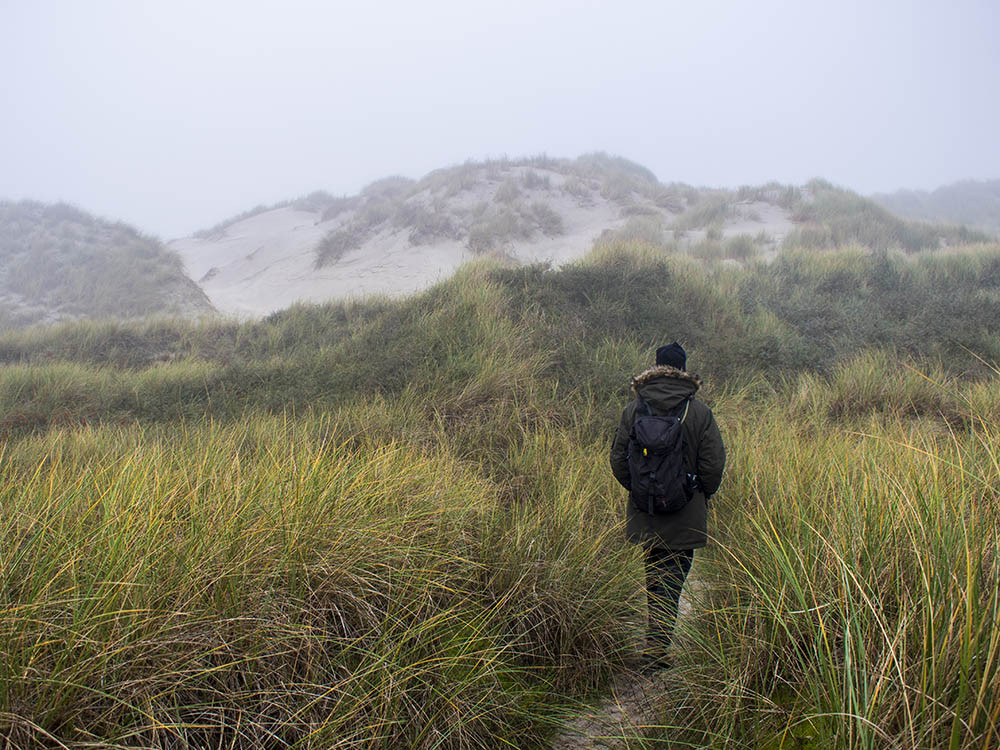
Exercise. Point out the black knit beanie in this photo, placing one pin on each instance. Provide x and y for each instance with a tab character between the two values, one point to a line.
672	355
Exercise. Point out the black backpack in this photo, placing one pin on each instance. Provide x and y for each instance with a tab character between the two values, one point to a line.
656	450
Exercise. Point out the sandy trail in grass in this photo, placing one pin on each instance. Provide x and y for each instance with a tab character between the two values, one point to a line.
634	702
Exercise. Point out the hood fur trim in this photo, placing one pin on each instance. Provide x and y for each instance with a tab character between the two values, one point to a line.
664	371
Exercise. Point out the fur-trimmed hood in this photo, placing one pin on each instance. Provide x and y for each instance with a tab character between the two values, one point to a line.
664	371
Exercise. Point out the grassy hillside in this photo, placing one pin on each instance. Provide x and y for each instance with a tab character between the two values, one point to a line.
827	217
391	524
805	311
57	263
969	202
521	208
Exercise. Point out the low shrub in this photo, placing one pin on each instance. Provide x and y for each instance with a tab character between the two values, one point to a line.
336	244
532	180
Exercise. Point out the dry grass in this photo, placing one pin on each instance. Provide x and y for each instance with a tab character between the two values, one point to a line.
852	599
280	582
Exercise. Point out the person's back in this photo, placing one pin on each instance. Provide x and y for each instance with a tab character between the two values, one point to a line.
670	538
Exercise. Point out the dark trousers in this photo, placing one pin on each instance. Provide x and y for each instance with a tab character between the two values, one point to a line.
666	571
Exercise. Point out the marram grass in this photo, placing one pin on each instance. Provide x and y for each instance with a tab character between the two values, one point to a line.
372	578
267	585
852	598
392	524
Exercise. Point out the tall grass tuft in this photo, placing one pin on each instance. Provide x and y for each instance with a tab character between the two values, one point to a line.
281	582
851	599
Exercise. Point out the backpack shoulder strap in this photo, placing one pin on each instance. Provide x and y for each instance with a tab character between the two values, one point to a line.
687	405
642	403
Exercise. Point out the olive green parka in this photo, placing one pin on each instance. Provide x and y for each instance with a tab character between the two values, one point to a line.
665	388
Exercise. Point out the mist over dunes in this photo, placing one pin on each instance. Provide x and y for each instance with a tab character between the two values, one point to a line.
307	389
60	263
399	235
975	203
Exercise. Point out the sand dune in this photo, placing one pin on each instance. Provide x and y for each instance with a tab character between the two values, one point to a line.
267	262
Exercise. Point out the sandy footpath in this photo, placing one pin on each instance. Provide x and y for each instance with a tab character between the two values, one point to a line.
636	704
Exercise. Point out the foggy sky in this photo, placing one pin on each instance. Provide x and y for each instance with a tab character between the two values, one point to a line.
174	115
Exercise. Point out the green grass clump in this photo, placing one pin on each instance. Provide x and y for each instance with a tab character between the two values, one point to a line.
711	209
638	231
336	244
508	192
788	197
579	189
532	180
741	247
425	225
547	220
496	226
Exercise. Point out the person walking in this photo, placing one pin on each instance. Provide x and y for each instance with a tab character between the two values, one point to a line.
668	534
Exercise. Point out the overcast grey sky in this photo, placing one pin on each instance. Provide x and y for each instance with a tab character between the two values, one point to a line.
174	115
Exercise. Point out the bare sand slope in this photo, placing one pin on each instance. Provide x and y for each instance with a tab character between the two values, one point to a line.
399	236
268	262
753	217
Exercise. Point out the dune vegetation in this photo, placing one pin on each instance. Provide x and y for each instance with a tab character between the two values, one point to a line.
60	263
975	203
400	235
826	217
517	209
391	523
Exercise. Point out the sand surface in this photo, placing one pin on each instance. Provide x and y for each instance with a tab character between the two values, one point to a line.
267	262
